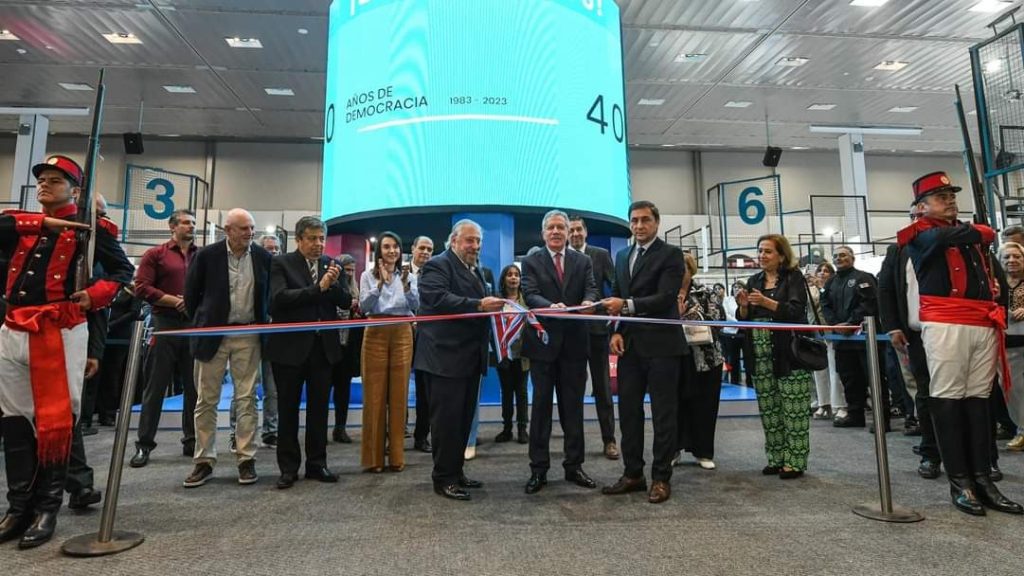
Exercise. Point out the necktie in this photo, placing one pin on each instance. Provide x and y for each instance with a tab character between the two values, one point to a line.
558	266
312	270
636	261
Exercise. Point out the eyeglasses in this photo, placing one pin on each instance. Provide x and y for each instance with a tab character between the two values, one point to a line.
839	255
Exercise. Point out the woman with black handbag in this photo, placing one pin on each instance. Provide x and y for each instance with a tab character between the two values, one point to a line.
778	294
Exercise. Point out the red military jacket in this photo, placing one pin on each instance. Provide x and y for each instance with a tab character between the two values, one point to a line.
40	262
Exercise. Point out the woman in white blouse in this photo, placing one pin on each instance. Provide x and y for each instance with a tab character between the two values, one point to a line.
386	290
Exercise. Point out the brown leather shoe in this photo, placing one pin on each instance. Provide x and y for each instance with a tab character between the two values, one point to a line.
660	491
625	485
611	451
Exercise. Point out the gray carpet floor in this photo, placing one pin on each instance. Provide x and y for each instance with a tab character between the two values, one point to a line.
729	521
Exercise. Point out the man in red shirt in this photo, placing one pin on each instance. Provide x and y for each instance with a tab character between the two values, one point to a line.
161	282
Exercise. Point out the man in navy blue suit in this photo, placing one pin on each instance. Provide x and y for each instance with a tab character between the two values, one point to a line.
453	355
557	277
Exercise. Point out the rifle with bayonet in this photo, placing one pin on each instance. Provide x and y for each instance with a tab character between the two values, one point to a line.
977	188
86	198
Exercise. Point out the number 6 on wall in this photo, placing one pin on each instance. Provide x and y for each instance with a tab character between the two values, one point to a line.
752	210
165	198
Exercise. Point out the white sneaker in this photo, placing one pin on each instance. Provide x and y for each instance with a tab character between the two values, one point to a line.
706	463
470	452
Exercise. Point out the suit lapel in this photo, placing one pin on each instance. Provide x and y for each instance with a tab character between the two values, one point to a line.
461	269
643	260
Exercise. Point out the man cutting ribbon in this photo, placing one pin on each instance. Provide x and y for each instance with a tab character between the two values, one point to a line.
43	344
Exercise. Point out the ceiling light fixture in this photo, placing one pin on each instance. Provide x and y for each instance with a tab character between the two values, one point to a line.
792	61
891	65
8	35
868	3
178	89
122	38
75	86
236	42
870	130
821	107
22	51
799	147
651	102
738	104
279	91
302	31
691	57
902	109
990	6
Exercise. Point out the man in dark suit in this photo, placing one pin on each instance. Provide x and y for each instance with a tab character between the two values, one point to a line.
453	355
305	286
227	283
557	277
648	276
899	312
604	275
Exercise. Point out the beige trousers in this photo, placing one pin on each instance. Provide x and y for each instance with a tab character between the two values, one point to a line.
240	354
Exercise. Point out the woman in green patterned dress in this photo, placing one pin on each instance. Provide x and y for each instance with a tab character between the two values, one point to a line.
778	294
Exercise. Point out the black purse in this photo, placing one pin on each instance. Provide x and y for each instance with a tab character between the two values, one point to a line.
808	352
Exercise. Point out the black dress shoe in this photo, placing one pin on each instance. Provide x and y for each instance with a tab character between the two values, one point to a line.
287	480
771	470
13	526
89	431
468	483
536	482
423	446
849	421
84	498
40	532
452	491
990	496
323	474
916	449
107	420
341	436
790	474
580	478
961	491
928	469
141	458
996	475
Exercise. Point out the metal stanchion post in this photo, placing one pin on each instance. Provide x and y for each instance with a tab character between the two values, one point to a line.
885	511
107	540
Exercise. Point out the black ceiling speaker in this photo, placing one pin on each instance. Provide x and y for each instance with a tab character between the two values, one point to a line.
771	156
133	143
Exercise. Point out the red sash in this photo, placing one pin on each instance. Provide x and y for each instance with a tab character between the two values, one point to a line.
48	373
969	312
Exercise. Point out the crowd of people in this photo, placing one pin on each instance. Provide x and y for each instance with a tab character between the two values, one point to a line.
939	298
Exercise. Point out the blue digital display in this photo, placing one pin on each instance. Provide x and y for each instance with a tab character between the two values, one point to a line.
474	103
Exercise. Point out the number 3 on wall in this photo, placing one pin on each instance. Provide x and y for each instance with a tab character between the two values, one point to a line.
164	198
752	210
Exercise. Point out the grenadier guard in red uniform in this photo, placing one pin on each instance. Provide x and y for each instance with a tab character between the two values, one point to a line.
962	332
43	345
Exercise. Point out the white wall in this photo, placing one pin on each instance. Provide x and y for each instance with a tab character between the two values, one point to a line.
276	177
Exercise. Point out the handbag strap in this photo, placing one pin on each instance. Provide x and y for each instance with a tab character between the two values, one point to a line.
810	302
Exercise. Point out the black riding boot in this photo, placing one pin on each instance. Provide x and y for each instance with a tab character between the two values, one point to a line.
950	431
48	497
20	460
979	430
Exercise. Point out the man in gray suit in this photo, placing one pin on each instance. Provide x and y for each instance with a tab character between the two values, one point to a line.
604	276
